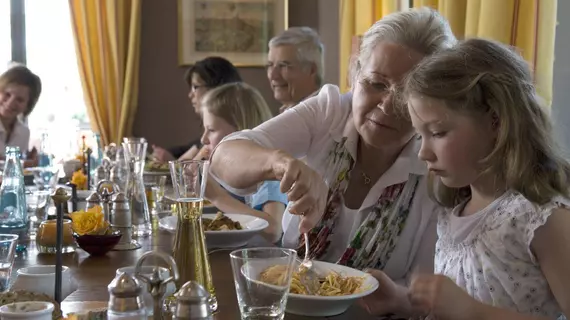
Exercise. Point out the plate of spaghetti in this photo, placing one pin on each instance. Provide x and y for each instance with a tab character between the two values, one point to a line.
339	288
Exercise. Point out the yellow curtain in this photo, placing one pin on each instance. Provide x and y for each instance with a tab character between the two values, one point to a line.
107	42
356	16
527	24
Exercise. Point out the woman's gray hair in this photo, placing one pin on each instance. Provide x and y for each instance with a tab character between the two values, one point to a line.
421	29
309	47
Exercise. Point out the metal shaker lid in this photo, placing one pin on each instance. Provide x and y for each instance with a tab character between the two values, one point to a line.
192	292
94	198
120	201
119	197
192	302
125	286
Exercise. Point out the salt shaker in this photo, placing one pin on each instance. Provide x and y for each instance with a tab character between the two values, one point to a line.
126	300
93	200
103	190
192	302
120	219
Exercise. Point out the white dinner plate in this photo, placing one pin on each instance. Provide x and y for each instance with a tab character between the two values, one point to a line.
227	238
316	306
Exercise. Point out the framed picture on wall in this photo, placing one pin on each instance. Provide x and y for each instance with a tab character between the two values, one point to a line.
238	30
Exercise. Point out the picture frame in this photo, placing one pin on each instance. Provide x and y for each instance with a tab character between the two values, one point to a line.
238	30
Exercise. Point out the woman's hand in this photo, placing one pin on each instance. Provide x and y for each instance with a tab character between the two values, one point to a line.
388	298
440	297
161	154
304	187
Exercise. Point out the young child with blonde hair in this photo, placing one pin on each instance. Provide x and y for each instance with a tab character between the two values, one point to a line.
502	251
226	109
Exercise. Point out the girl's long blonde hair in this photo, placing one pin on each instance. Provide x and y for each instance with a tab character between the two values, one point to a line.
239	104
485	77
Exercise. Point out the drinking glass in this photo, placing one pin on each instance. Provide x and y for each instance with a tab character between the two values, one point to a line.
8	244
256	298
46	178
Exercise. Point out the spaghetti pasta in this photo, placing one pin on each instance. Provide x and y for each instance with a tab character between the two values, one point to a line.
333	284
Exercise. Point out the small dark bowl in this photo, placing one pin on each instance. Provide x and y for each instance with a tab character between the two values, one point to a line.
97	245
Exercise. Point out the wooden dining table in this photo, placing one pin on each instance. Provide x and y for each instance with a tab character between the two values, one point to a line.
94	273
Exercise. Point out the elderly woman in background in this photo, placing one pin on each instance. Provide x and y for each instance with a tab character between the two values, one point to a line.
203	76
362	194
295	65
20	90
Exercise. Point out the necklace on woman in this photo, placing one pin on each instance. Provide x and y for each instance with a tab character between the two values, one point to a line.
366	178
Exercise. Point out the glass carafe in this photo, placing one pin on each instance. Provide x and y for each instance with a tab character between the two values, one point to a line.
13	211
189	179
135	153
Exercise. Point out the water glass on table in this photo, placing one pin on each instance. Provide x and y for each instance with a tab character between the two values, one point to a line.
45	178
8	244
256	298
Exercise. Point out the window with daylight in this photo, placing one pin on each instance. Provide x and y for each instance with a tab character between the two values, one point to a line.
5	35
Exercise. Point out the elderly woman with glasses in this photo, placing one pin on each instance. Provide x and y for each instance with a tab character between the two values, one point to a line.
360	191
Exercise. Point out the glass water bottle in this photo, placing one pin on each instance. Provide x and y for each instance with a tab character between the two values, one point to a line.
13	211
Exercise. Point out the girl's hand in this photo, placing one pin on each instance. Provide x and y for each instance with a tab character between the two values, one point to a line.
161	154
388	298
440	297
304	187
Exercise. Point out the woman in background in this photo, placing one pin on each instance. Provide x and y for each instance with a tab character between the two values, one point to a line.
226	109
20	90
201	77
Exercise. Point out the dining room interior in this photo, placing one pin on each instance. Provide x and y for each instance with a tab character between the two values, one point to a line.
112	205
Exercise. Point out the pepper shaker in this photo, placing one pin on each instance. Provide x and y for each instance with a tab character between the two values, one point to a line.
192	302
126	300
106	194
120	219
93	200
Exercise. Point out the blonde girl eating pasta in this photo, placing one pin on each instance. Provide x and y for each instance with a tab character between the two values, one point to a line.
502	251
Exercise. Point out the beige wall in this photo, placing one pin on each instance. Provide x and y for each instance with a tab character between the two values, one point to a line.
164	115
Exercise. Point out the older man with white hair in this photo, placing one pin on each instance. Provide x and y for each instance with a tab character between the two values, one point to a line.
295	65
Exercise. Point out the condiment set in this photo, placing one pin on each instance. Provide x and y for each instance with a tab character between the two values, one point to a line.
127	302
